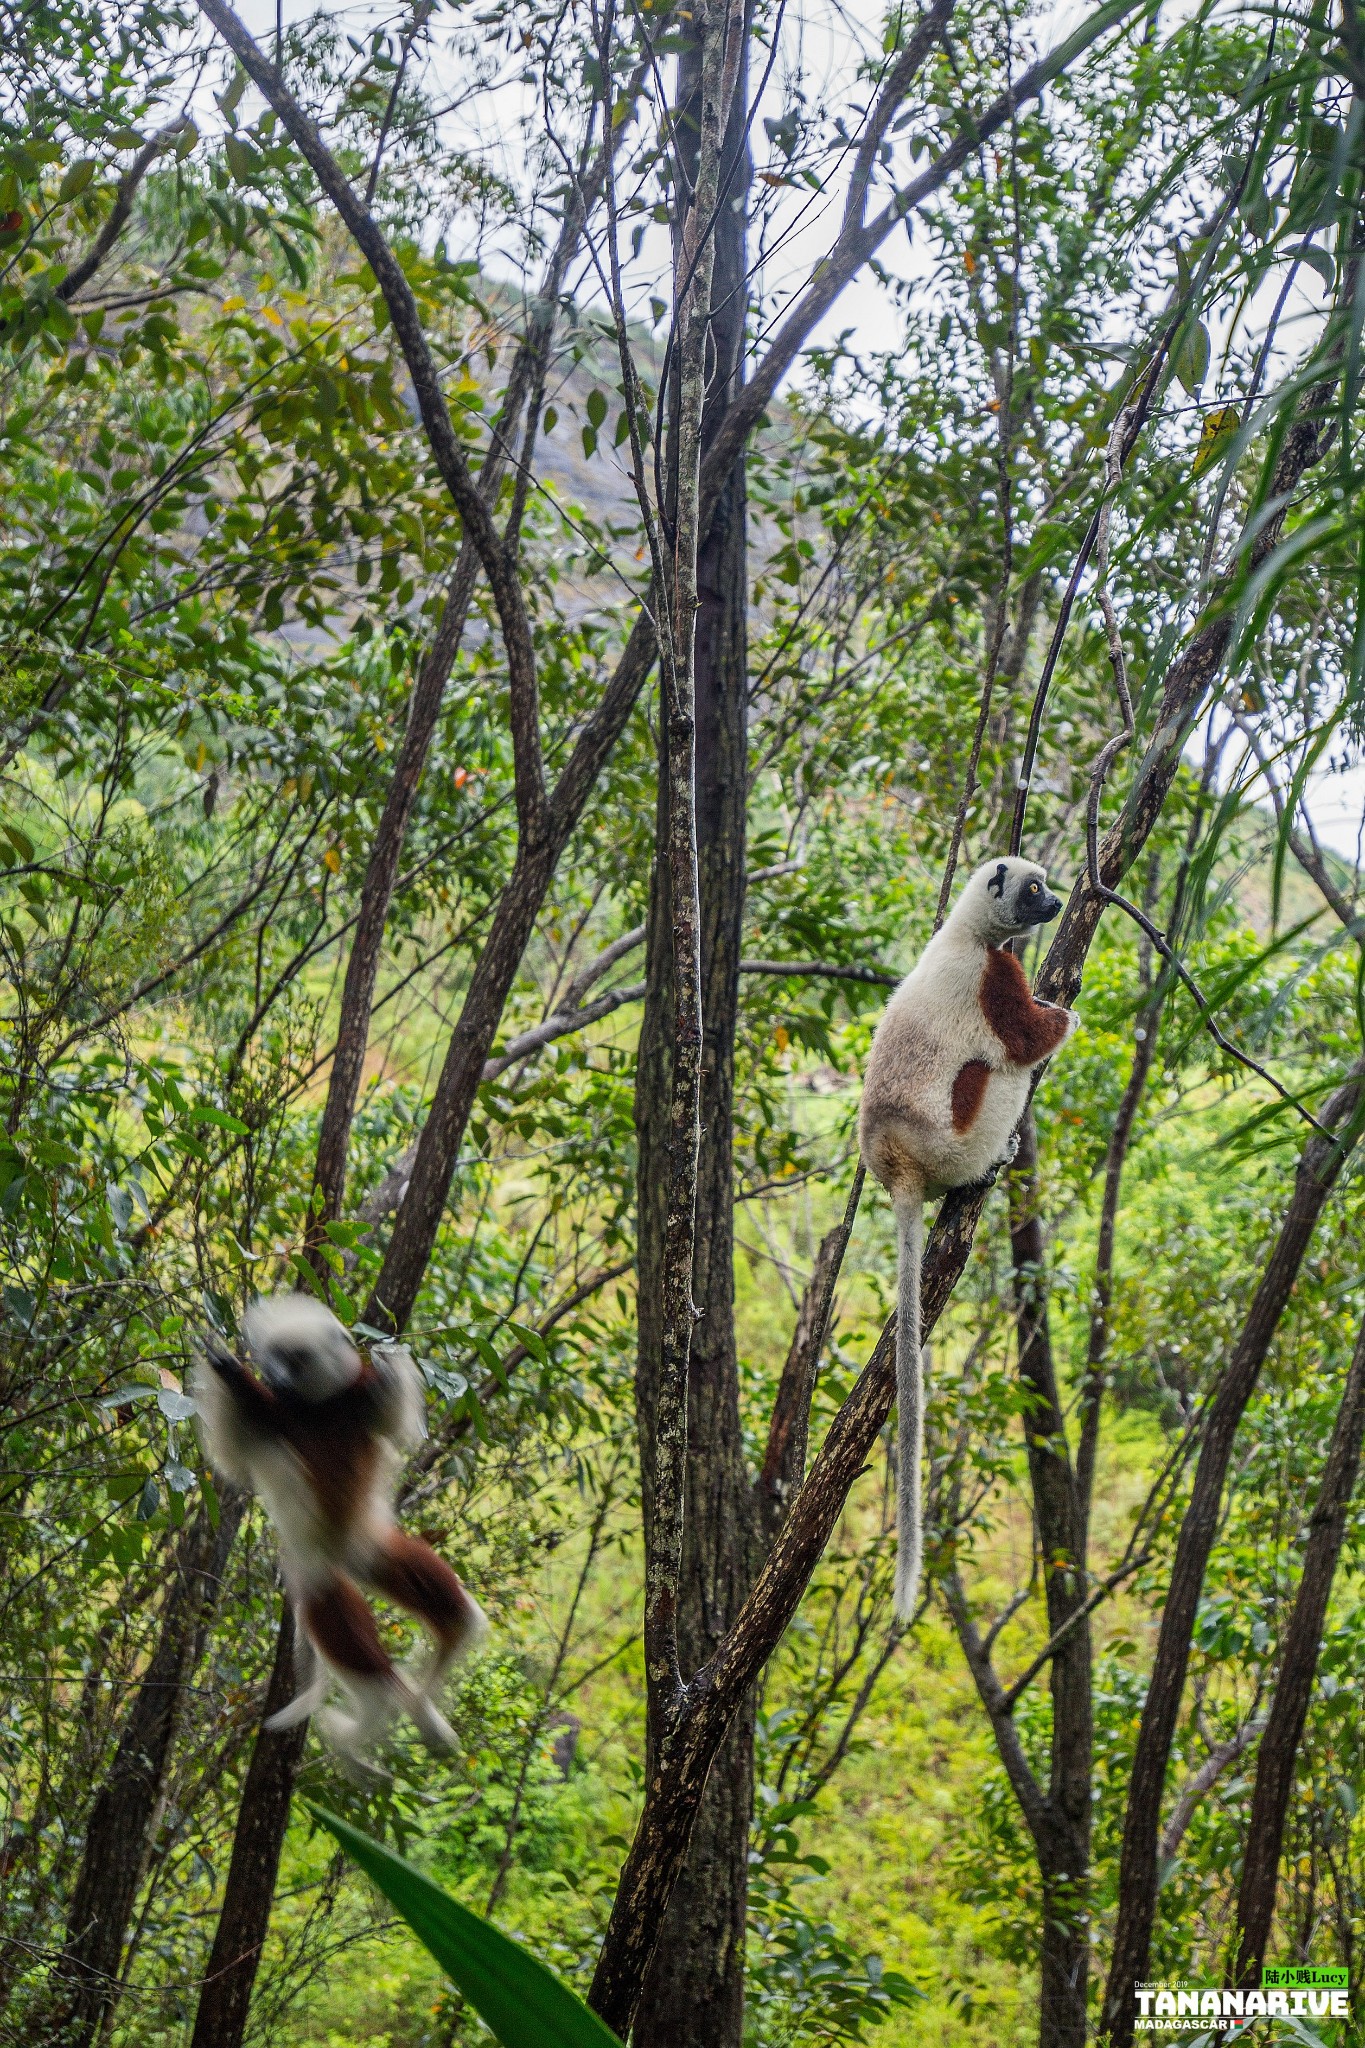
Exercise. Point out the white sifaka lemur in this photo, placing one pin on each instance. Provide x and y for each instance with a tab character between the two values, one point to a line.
320	1436
947	1080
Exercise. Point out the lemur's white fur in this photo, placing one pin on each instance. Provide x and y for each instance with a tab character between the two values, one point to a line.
947	1081
297	1342
326	1469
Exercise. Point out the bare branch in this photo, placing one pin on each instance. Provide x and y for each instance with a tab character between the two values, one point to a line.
822	970
1306	851
1032	1799
897	83
559	1026
596	968
1300	1646
784	1463
1203	1780
116	220
1009	1698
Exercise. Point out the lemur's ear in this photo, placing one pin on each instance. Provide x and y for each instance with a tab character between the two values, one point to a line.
996	884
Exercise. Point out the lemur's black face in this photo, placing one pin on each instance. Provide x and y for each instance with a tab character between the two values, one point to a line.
1034	904
309	1371
286	1367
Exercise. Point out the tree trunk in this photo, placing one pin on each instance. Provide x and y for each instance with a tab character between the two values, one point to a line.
694	1990
1063	1847
118	1834
250	1891
1298	1662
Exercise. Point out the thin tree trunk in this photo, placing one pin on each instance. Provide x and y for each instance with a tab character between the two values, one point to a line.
694	1990
118	1833
1279	1746
376	892
261	1822
1063	1846
1101	1303
784	1460
1319	1166
395	1291
687	1357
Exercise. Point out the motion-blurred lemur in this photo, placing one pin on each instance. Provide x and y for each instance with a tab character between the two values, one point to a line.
319	1432
947	1080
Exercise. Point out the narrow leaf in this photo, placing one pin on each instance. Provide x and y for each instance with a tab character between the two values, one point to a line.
1218	429
204	1113
1192	357
524	2003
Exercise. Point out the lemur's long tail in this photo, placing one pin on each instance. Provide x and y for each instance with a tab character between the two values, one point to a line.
909	1206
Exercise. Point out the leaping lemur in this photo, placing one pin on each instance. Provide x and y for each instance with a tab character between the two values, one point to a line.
319	1432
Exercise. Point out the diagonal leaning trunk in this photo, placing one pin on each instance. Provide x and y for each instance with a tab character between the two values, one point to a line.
1279	1746
694	1990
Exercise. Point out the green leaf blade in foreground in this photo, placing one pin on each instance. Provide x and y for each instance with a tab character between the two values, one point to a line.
524	2003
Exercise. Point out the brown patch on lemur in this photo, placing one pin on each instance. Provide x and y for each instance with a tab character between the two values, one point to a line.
343	1628
1028	1030
893	1162
969	1092
411	1575
332	1440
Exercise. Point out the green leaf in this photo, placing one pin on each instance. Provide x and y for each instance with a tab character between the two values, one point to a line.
77	178
1218	429
1192	357
532	1339
241	158
203	1114
524	2003
491	1360
1319	260
597	407
125	1486
228	100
